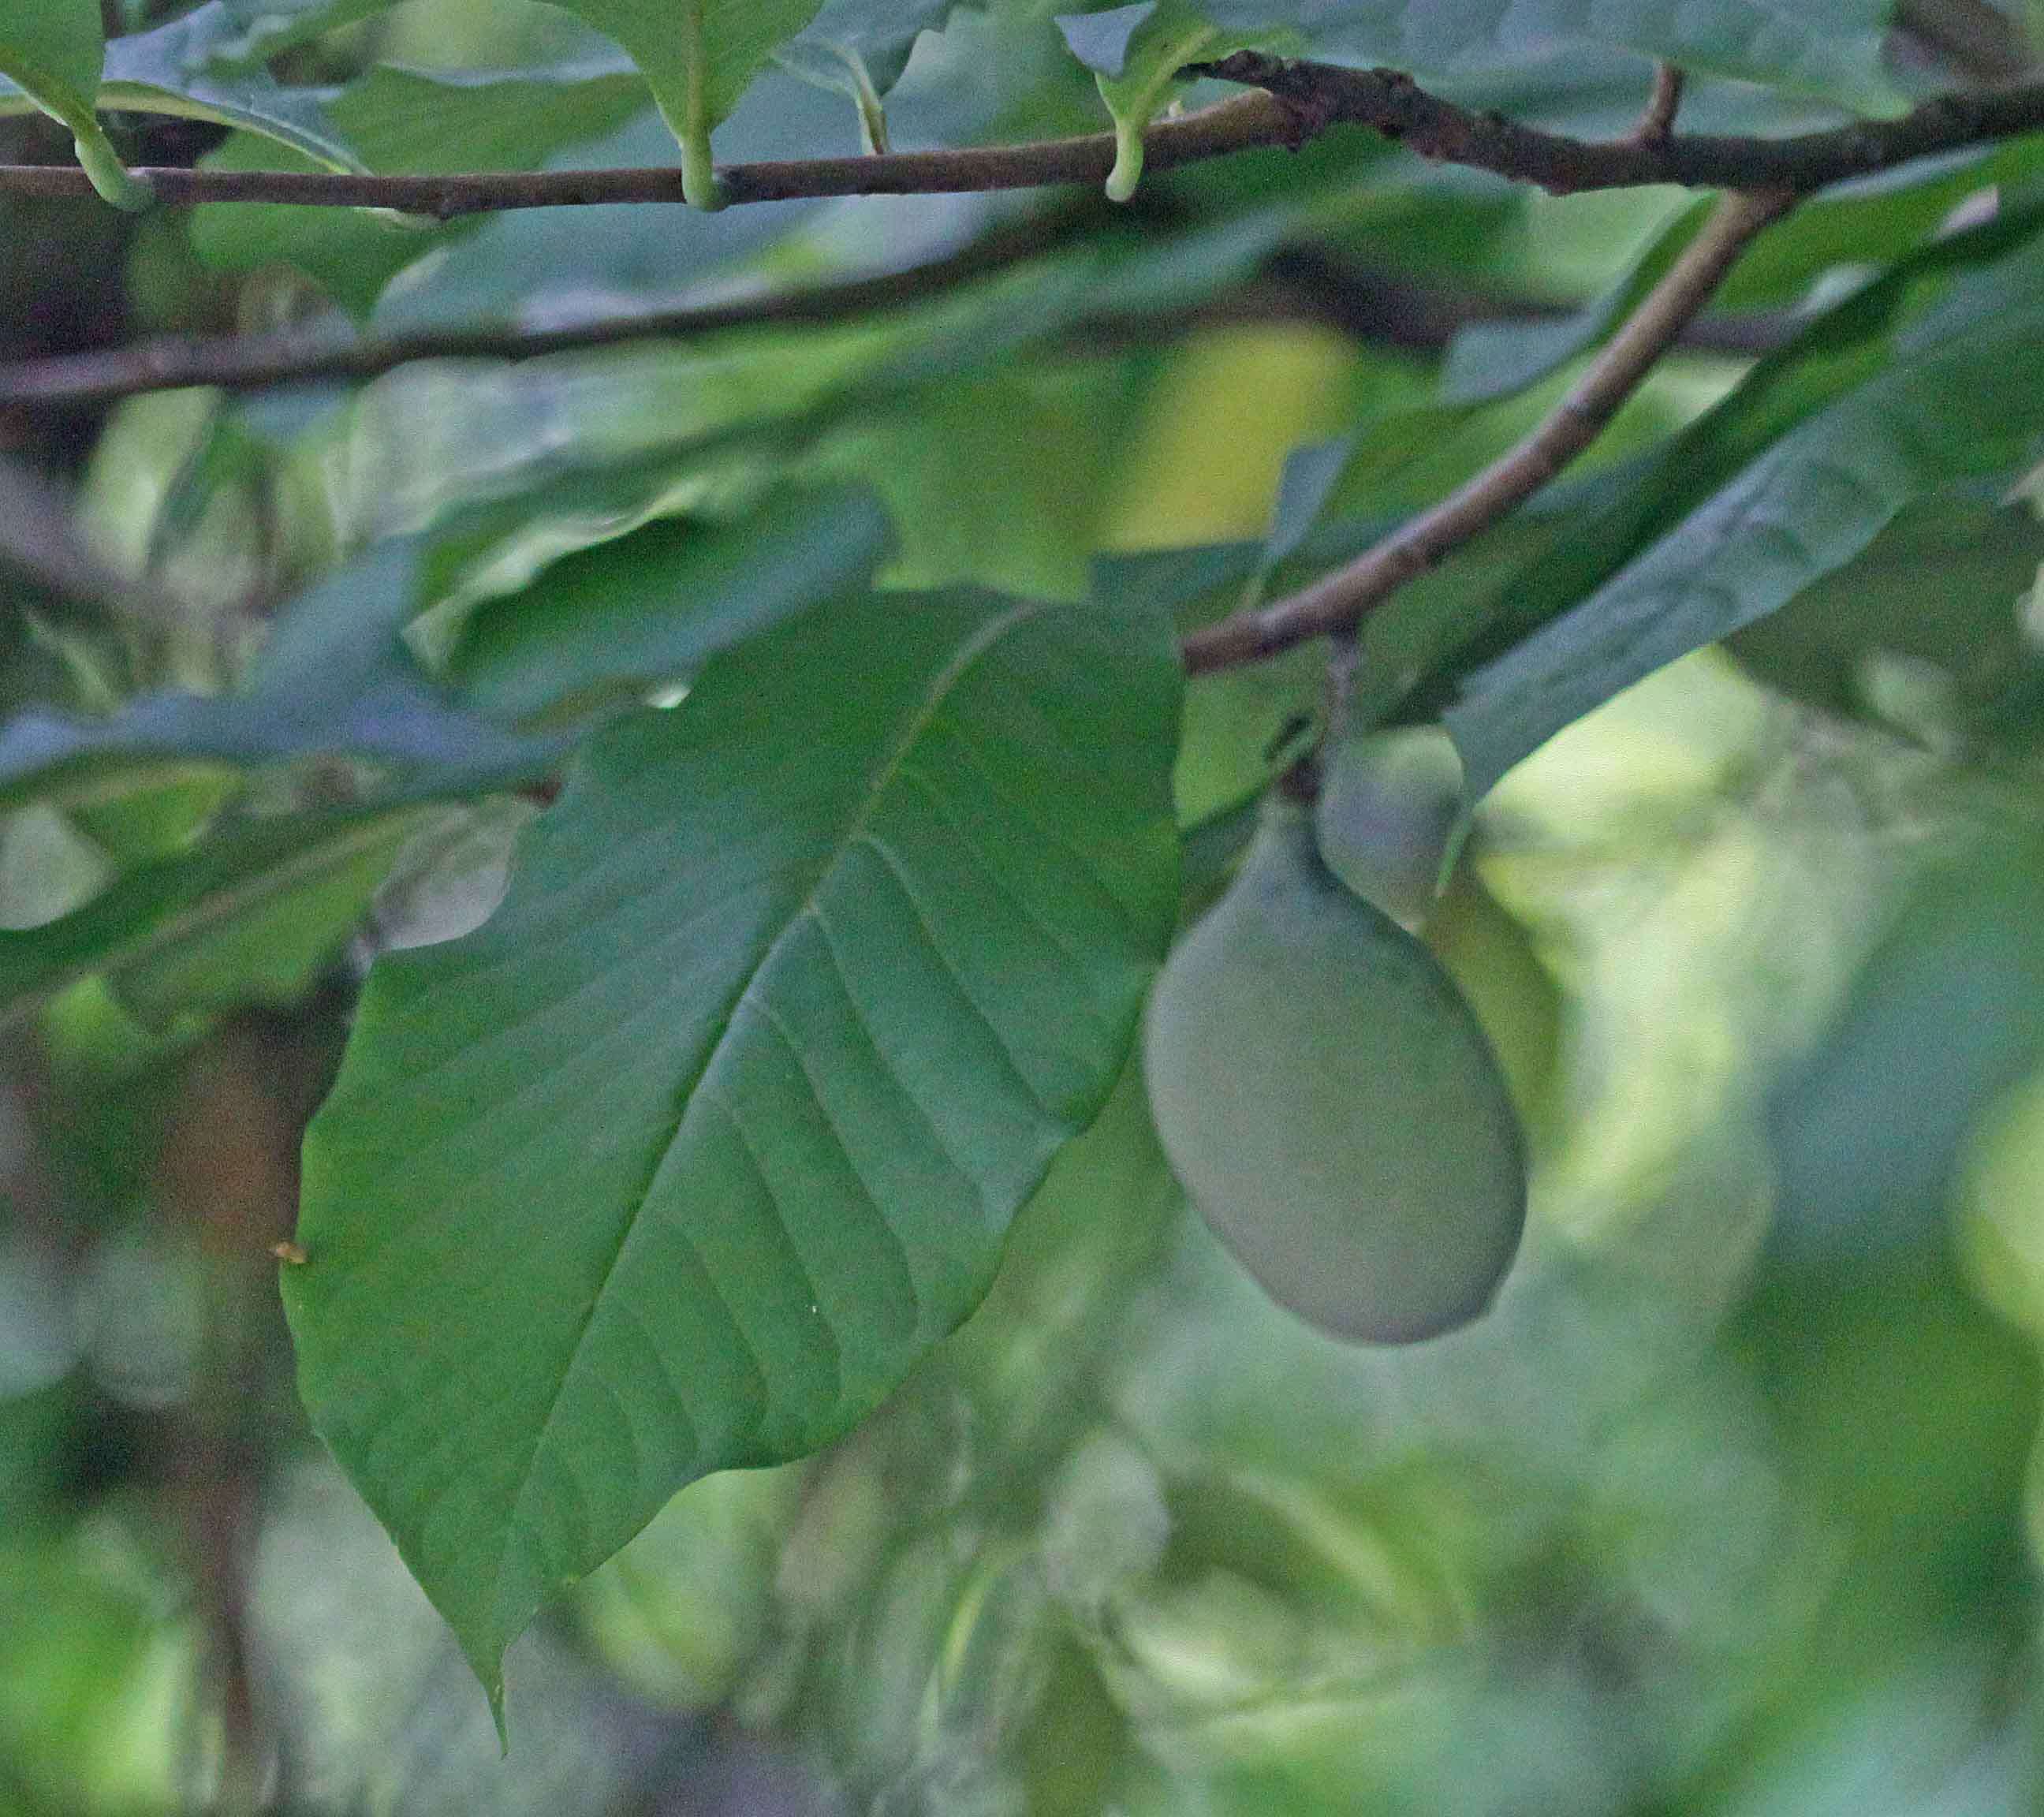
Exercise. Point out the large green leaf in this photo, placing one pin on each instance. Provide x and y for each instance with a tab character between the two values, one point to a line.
50	43
700	56
1958	397
682	1160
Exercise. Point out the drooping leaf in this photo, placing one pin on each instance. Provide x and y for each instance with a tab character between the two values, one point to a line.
1136	53
1957	399
717	1126
181	68
1937	606
839	69
52	51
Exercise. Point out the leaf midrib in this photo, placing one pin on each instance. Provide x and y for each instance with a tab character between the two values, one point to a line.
880	780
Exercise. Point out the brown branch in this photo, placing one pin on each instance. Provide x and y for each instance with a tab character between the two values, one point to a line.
1296	102
1396	106
249	362
1338	602
1238	124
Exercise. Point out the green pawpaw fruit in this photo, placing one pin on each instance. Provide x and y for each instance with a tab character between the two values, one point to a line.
1330	1102
1390	804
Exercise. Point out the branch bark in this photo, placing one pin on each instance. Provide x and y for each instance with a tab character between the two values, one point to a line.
249	362
1294	102
1337	603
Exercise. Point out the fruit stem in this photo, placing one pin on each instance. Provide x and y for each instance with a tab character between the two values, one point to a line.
1301	783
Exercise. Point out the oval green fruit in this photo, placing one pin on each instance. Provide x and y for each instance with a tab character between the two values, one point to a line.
1330	1103
1390	807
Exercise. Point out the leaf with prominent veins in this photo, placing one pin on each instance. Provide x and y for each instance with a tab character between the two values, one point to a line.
683	1159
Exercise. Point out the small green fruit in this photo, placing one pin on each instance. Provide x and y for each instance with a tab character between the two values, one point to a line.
1390	806
1332	1105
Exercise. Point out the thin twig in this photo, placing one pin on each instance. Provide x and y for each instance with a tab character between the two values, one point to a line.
249	362
1339	601
1297	284
1656	124
1238	124
1297	102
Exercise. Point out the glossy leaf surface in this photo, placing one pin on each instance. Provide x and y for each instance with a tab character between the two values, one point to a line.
682	1160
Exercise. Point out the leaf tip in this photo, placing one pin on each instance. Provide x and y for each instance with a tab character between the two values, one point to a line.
493	1689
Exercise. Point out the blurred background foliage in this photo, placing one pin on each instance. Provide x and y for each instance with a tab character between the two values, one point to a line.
1729	1509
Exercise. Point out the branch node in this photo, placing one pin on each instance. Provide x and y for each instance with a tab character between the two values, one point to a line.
1656	124
1339	601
